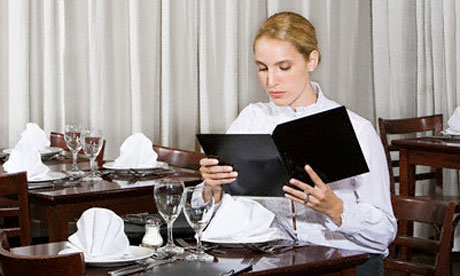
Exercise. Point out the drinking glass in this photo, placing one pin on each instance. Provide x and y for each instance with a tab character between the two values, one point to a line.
72	136
168	194
198	205
91	142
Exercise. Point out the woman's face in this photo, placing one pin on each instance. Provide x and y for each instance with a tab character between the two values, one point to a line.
284	72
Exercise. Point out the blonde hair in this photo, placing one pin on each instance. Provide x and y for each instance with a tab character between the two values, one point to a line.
293	28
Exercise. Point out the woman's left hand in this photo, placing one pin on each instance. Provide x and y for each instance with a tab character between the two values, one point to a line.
321	197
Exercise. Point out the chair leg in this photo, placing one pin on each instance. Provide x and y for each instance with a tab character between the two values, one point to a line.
454	225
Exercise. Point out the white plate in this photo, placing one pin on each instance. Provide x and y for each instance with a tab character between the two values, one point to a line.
137	253
451	134
51	176
46	152
111	166
256	239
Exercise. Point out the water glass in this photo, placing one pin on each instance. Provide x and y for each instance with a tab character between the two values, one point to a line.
72	136
91	142
198	203
168	194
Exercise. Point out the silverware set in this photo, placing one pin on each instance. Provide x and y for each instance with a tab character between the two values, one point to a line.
191	248
157	259
272	248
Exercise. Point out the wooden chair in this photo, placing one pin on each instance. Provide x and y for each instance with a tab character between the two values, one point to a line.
14	206
58	140
179	158
433	212
409	127
13	264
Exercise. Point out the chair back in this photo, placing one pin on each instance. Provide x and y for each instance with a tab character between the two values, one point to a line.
409	127
437	213
14	206
179	158
58	140
56	265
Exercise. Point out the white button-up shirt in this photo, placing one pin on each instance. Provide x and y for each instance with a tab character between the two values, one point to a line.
368	222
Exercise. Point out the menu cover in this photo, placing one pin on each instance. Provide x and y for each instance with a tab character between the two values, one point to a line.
326	141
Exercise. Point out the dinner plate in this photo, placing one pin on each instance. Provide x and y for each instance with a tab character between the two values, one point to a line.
51	176
111	166
137	253
254	239
453	135
46	152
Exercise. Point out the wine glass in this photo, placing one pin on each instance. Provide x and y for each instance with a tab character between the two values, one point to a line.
72	137
91	142
168	194
198	205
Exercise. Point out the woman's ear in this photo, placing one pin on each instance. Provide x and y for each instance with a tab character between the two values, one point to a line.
313	60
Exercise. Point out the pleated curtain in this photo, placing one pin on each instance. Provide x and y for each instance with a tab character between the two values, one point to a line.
173	68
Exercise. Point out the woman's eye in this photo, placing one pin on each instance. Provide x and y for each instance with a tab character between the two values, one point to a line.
262	69
285	68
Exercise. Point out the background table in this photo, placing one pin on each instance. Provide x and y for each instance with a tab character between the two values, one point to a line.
439	153
62	204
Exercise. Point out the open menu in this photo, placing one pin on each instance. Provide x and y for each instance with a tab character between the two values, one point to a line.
326	141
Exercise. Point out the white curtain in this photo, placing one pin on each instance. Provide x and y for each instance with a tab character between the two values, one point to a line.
173	68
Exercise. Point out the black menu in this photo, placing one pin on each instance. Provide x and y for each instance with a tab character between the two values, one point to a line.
326	141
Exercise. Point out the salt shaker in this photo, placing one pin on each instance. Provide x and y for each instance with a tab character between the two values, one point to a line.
152	237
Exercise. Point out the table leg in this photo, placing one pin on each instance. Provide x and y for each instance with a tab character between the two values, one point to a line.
406	188
406	174
58	226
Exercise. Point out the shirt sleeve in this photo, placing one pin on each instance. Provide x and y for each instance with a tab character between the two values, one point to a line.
370	220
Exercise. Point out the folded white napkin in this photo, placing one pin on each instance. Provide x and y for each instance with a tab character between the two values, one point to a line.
136	152
25	156
100	236
454	123
241	220
34	136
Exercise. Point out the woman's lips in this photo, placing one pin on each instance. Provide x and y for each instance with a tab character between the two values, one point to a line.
277	94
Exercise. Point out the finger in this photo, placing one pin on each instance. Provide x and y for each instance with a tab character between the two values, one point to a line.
314	177
216	176
302	186
208	161
219	182
296	199
294	192
216	169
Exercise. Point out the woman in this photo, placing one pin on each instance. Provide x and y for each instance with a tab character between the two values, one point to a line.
354	213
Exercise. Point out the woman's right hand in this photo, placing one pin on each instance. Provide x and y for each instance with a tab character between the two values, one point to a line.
215	176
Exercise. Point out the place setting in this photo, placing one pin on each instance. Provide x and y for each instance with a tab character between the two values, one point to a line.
137	159
453	131
27	156
33	149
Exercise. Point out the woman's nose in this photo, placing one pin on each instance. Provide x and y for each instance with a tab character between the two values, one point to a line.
272	78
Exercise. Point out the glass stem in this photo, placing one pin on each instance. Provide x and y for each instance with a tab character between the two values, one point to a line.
170	233
91	165
74	160
199	246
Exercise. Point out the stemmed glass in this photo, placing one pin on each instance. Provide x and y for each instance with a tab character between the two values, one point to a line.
72	136
91	142
198	205
168	194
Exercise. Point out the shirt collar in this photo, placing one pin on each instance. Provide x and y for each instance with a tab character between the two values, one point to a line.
286	110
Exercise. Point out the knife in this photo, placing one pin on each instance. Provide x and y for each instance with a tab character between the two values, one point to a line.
139	267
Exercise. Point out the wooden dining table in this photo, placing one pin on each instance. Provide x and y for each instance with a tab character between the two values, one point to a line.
306	260
440	152
127	193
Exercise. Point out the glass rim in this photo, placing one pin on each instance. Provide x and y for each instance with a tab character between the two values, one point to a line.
169	181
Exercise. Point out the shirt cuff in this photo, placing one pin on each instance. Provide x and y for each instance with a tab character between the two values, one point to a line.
350	221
